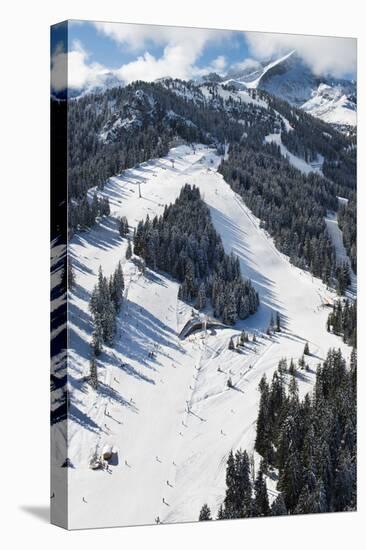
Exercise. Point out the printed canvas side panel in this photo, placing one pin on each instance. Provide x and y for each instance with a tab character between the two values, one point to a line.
59	402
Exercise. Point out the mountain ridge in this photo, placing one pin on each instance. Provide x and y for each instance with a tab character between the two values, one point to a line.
288	77
333	100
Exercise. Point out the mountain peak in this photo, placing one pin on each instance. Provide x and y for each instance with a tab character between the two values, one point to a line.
290	78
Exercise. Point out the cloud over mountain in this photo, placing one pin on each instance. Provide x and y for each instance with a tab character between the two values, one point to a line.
323	54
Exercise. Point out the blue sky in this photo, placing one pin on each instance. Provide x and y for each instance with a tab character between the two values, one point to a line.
106	50
148	52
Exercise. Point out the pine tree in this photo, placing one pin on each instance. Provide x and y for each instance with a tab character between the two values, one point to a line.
271	323
278	322
306	349
238	497
278	507
93	374
262	441
282	368
116	287
292	368
293	388
231	491
70	276
231	344
290	481
129	250
261	503
123	226
205	513
243	484
220	513
201	297
68	279
97	337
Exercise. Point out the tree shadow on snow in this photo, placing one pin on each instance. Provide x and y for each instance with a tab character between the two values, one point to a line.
78	416
237	238
104	390
104	235
129	369
141	332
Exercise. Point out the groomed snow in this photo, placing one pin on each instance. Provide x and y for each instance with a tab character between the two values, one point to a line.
297	162
337	240
165	450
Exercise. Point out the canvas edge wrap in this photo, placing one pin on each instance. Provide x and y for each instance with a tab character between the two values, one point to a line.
59	309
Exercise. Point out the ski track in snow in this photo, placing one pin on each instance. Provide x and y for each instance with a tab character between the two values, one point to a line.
337	240
297	162
171	418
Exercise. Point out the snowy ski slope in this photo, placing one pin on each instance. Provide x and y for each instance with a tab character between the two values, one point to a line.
171	418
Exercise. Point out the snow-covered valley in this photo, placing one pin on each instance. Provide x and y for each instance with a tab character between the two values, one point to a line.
163	401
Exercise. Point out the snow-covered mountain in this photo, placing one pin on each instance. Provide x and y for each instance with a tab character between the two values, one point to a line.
104	81
332	104
332	100
288	77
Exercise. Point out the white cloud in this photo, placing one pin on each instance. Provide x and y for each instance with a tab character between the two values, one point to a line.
176	62
248	63
138	37
182	49
80	72
336	56
219	64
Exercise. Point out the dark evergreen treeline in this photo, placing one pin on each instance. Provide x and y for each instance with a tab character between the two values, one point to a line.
347	221
244	497
184	243
310	136
343	321
291	205
122	127
84	213
105	303
343	277
312	442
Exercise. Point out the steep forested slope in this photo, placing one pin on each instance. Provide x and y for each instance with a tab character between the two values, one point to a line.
311	442
184	243
291	205
122	127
